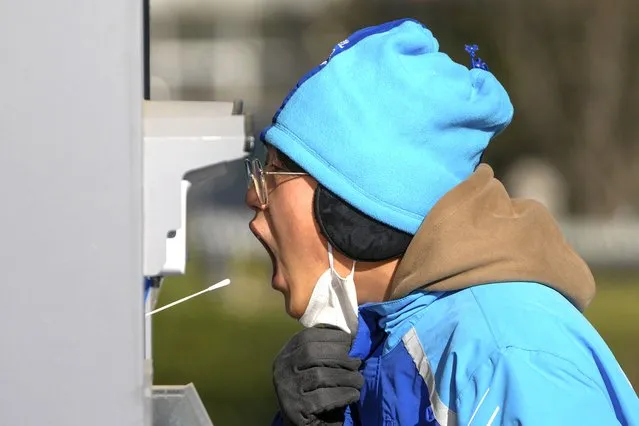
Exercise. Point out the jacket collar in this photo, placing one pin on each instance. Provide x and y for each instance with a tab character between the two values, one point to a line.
382	325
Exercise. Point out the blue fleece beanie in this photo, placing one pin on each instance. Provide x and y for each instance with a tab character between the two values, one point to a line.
389	123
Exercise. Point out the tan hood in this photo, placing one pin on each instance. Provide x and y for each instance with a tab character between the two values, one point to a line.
477	234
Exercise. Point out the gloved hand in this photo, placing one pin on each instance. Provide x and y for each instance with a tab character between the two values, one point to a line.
314	377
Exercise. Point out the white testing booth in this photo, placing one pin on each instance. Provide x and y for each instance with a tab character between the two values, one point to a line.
92	188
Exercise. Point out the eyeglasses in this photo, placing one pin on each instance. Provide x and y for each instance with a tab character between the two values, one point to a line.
256	177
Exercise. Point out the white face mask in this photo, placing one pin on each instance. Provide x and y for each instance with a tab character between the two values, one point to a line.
334	300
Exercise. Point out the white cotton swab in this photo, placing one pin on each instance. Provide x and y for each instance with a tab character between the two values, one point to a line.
184	299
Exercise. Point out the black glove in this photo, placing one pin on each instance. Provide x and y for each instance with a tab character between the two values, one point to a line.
314	377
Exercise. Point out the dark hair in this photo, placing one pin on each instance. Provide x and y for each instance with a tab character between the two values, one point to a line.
288	164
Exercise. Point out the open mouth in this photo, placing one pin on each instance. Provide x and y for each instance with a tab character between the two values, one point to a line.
268	250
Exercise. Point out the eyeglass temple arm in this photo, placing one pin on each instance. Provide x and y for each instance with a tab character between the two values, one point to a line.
285	173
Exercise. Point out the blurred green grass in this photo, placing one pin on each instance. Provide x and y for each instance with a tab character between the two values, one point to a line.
228	354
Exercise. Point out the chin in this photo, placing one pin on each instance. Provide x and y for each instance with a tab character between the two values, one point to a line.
291	313
292	309
295	299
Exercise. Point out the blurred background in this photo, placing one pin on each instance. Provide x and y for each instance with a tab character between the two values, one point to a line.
572	70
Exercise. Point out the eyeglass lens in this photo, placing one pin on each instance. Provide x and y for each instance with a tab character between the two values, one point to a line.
255	177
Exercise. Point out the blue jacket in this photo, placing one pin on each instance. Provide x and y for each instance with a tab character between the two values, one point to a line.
483	325
515	353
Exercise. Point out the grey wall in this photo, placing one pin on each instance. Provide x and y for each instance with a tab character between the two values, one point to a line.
70	210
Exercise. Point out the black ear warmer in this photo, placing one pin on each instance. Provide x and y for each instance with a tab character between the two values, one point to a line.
355	234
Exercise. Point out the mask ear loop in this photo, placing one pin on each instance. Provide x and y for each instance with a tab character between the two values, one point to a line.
331	264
